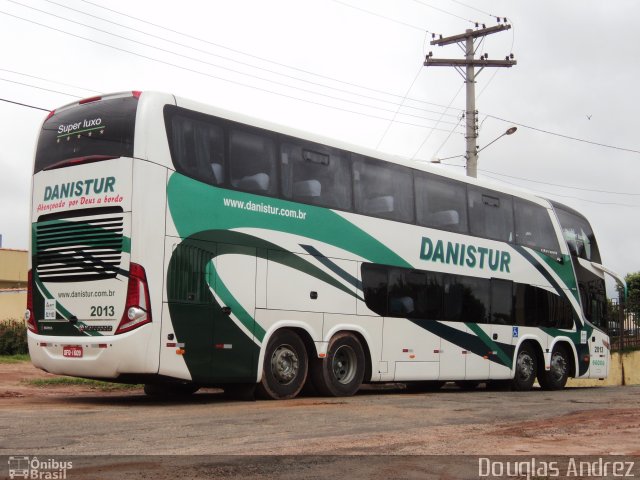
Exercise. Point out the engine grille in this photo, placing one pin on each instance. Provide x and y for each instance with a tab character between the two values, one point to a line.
69	250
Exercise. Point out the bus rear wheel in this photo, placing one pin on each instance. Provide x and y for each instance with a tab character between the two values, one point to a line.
556	377
285	367
341	372
525	374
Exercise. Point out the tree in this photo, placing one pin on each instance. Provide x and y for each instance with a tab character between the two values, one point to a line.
633	289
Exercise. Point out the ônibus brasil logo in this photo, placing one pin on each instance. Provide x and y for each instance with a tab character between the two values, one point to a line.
35	468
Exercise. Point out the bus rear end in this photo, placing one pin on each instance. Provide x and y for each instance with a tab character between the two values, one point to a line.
89	310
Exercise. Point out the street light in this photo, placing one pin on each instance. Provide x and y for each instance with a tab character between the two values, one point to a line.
510	131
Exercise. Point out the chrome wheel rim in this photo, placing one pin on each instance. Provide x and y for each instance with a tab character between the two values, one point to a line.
525	366
343	364
285	364
558	366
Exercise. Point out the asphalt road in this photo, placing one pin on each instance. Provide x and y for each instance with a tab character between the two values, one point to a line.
326	432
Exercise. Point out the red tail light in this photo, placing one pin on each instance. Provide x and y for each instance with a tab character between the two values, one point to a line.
137	311
80	160
89	100
136	93
28	315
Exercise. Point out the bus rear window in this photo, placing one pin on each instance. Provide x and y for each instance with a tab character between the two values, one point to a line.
100	128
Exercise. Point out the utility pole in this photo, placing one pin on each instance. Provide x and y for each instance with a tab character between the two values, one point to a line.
466	42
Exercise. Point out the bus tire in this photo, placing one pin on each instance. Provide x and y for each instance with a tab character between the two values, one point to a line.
341	372
285	367
556	377
525	369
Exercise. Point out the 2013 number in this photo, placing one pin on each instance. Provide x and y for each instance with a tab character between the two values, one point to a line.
103	311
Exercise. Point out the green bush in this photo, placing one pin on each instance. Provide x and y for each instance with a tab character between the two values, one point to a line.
13	338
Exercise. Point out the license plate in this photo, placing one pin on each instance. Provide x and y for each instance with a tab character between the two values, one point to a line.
72	351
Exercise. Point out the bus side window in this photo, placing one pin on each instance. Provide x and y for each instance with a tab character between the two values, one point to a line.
533	227
441	203
491	214
383	190
453	298
407	293
434	293
526	305
197	147
374	286
564	314
252	160
476	299
316	174
501	302
190	274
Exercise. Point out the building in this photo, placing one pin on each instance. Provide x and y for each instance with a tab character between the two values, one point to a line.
13	283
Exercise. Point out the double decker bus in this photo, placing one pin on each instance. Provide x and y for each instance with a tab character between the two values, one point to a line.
179	245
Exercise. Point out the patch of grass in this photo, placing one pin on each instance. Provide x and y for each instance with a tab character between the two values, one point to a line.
23	357
83	382
13	337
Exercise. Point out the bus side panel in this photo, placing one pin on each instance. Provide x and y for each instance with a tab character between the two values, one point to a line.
149	201
211	307
304	283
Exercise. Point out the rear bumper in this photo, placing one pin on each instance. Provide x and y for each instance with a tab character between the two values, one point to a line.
102	357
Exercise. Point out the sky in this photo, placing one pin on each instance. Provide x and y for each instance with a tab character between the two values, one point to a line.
353	70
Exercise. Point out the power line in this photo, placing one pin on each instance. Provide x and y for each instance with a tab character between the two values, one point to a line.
381	16
447	139
48	80
230	59
444	11
568	137
257	57
399	107
25	105
485	172
570	196
146	57
231	69
476	9
39	88
560	185
431	131
340	81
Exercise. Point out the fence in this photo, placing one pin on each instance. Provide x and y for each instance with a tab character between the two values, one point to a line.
623	327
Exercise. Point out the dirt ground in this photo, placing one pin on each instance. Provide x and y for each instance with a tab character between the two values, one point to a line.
209	435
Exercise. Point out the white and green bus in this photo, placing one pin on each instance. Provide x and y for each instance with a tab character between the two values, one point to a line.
179	245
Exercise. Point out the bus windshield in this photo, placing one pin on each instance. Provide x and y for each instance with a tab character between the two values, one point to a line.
99	128
578	233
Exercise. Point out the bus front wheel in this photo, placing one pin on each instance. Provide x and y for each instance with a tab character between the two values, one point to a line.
526	370
285	367
341	372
